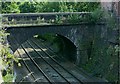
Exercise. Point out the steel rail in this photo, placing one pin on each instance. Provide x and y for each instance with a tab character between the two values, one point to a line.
48	63
34	62
51	50
24	61
25	77
26	66
57	62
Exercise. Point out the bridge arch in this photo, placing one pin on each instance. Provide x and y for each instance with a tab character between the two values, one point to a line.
21	34
69	49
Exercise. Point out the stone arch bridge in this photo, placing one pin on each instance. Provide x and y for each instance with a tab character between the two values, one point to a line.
79	35
24	33
75	34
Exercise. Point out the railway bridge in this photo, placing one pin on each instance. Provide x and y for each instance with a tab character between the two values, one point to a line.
39	61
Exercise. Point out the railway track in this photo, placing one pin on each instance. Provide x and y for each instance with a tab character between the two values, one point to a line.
41	64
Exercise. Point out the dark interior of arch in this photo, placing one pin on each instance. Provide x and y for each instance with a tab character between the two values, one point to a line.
61	45
69	49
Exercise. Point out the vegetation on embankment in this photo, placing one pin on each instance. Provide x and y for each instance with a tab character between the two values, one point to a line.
44	7
7	57
100	58
101	46
102	55
37	7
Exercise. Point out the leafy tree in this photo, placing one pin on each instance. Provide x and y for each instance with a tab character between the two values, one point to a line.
86	6
33	7
27	7
10	7
49	7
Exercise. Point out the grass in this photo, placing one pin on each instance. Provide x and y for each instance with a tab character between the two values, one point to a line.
8	78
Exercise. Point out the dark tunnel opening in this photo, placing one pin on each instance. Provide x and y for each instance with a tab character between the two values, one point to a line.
69	49
61	45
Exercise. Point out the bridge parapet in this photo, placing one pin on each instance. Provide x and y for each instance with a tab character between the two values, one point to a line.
37	18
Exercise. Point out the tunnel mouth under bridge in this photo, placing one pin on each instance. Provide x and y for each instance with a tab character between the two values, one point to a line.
58	44
41	63
45	52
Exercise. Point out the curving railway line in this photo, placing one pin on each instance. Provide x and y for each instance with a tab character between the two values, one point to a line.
41	64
